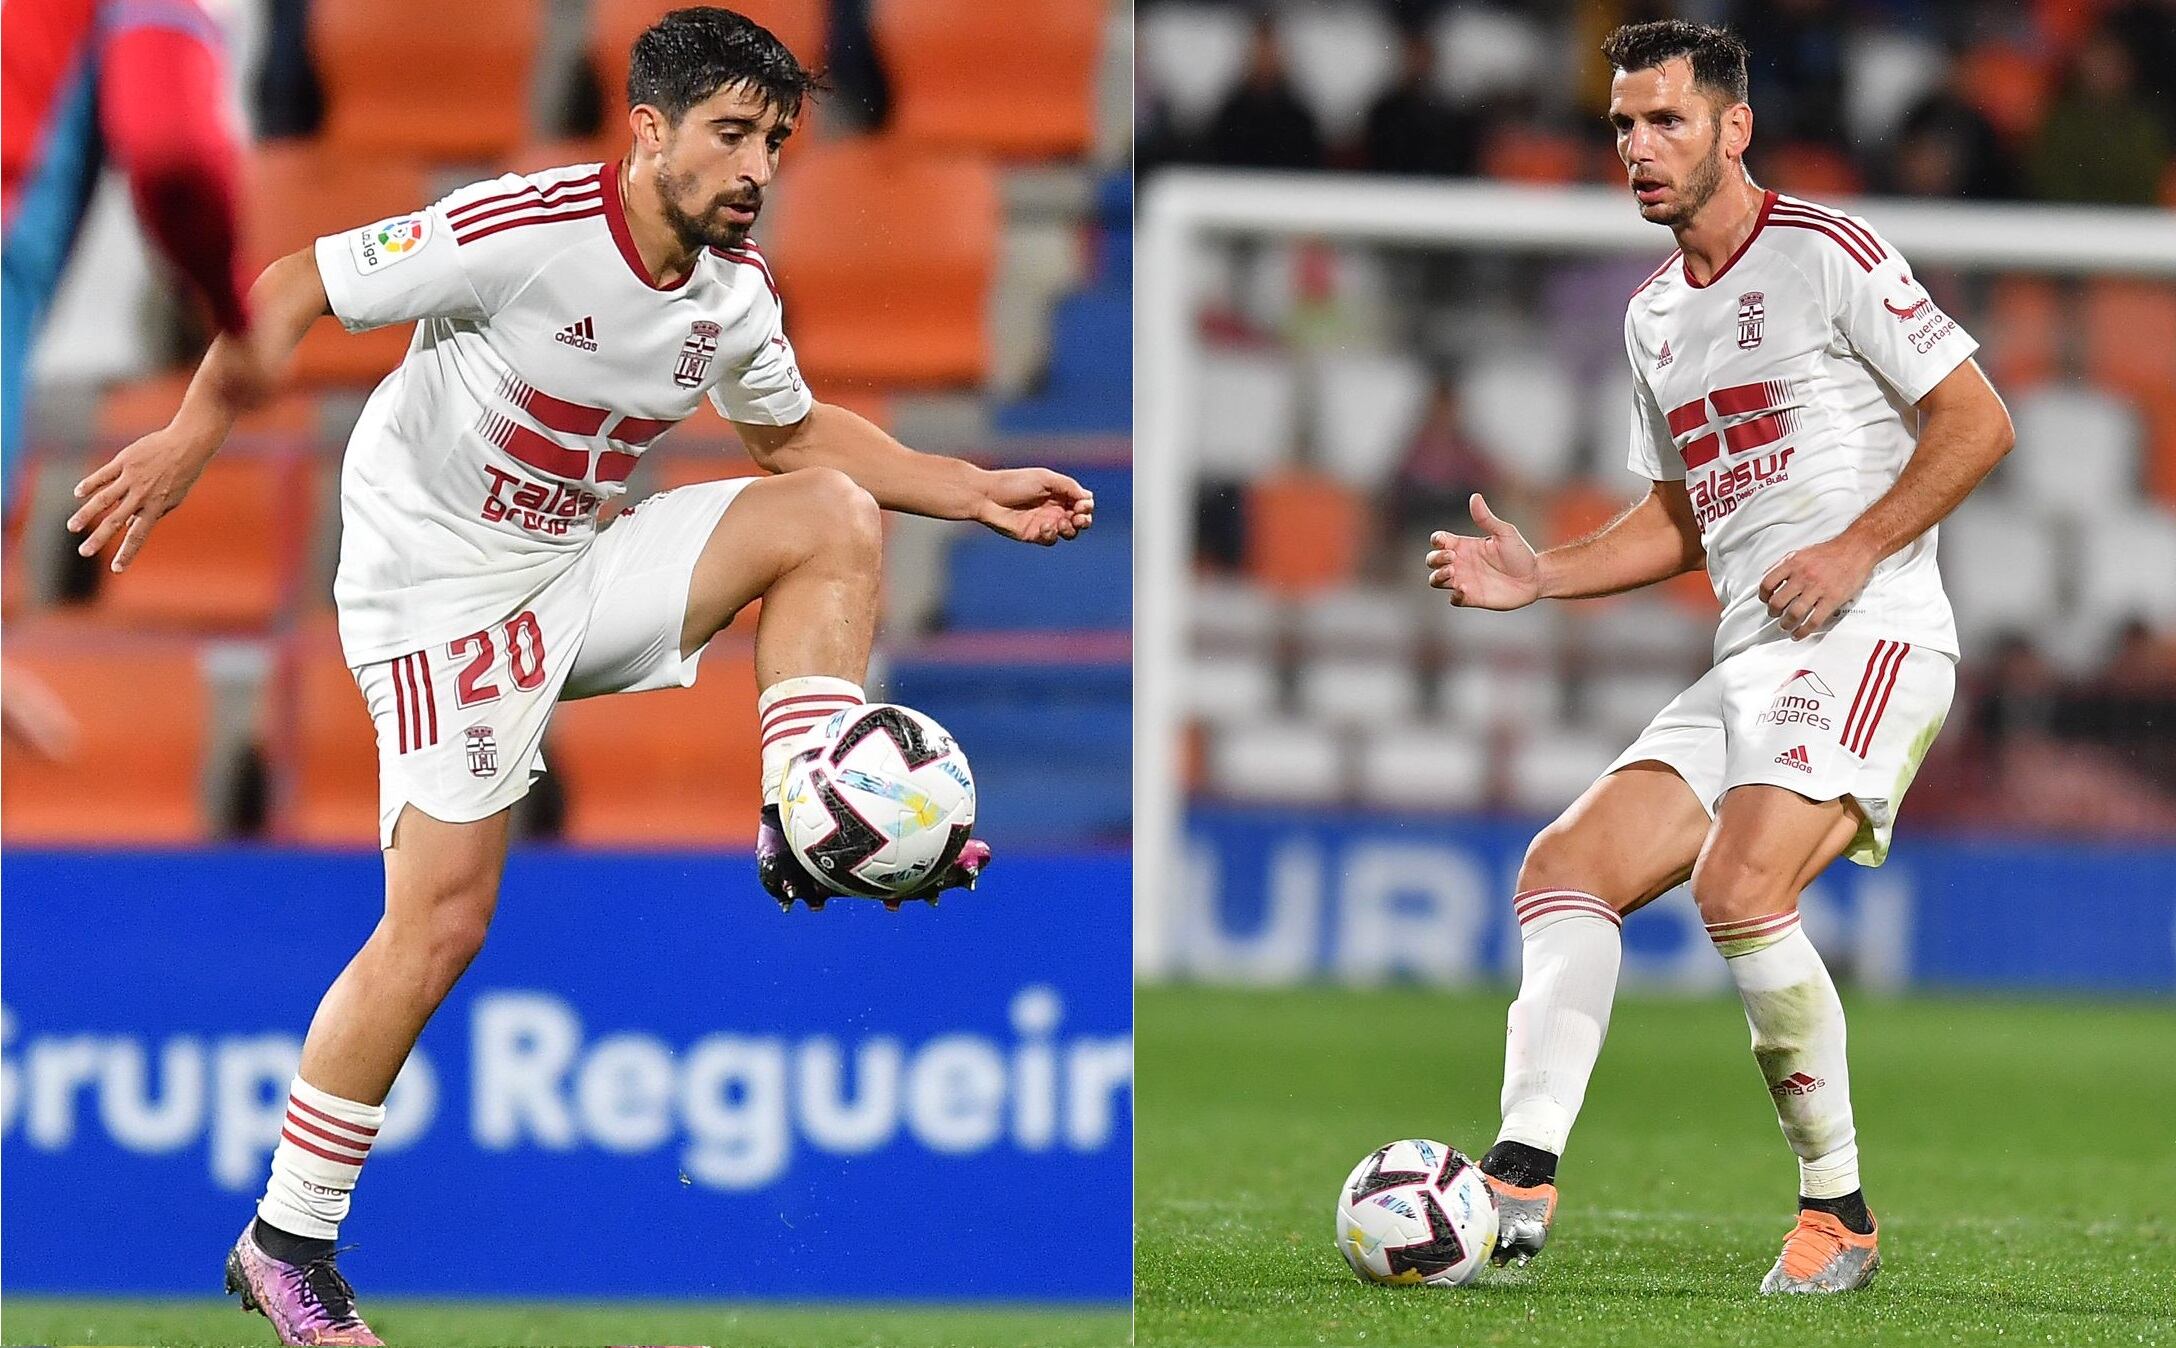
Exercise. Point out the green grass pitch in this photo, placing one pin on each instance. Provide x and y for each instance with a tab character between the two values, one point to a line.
2020	1155
425	1324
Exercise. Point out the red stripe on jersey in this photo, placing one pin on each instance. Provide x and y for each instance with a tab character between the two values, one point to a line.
1844	222
430	695
585	194
355	1128
546	456
400	704
1739	399
615	219
1793	222
557	413
1869	679
587	213
640	430
1691	417
613	466
1865	738
756	262
469	212
1656	275
311	1147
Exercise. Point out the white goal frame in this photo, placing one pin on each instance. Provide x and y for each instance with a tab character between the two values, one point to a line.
1182	207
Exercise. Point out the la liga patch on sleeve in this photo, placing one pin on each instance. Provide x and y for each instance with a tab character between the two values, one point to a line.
377	246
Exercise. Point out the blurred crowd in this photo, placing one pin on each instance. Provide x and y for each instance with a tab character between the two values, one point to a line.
2051	101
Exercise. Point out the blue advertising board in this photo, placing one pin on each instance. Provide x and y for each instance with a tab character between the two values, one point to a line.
1276	896
651	1083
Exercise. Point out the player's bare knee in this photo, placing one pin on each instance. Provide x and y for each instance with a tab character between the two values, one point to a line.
1728	885
1560	857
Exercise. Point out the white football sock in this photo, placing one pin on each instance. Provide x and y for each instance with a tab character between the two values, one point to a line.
1569	952
787	711
323	1143
1798	1037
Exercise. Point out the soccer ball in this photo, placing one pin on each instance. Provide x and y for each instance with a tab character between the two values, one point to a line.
1416	1211
880	804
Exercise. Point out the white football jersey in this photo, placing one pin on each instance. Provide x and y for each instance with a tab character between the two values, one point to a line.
544	363
1783	394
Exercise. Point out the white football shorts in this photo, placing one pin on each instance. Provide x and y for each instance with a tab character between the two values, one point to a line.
461	726
1828	717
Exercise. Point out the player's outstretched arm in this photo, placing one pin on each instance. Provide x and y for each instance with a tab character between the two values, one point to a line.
131	491
1964	430
1654	540
1034	505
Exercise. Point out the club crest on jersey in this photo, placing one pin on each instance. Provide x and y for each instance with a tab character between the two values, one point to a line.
483	752
696	353
1752	310
388	242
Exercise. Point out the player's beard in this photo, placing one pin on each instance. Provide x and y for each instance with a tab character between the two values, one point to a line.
705	230
1702	183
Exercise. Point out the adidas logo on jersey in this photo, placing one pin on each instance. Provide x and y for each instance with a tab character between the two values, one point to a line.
582	334
1796	758
1665	358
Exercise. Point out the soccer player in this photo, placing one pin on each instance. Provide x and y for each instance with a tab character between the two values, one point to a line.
564	321
138	82
1805	415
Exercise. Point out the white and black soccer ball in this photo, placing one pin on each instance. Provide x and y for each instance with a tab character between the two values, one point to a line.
880	802
1416	1212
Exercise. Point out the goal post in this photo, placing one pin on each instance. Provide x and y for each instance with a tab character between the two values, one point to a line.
1182	209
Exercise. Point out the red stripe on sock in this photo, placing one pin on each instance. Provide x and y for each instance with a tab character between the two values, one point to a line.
840	699
1601	910
287	1135
356	1128
361	1149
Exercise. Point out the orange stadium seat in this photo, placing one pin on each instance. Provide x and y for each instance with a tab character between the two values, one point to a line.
2009	86
803	25
1305	531
1525	154
230	558
886	256
2158	407
1804	169
139	407
302	190
2130	334
664	769
422	78
134	772
1019	81
2023	331
323	752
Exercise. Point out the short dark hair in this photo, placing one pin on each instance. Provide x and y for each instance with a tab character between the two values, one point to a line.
1718	55
690	54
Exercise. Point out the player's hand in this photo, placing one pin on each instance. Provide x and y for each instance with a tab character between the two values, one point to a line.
1806	587
133	490
1035	505
1497	570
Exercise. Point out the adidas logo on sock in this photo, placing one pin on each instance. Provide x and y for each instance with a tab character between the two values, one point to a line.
1798	1083
582	334
1796	758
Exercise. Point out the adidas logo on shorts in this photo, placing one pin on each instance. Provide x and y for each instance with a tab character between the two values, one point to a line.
582	334
1796	758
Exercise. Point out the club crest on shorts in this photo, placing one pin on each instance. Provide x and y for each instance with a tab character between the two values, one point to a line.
696	353
483	752
1752	310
